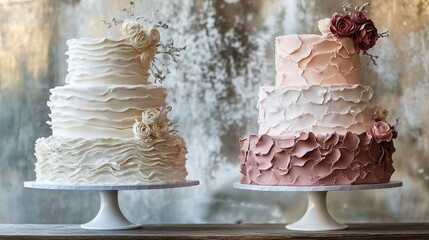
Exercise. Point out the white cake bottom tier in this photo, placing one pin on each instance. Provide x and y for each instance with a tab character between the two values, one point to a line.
101	111
286	110
110	161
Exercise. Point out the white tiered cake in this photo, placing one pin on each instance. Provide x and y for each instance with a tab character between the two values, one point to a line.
109	124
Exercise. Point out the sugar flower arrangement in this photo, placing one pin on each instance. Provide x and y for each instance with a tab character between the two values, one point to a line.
154	124
381	130
144	37
354	25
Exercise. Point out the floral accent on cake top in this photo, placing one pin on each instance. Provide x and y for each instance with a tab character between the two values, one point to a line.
153	124
353	25
141	38
145	37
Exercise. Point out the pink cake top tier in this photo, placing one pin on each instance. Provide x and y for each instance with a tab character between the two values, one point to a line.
311	59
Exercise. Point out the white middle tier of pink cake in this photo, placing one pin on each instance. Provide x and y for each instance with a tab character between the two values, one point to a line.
290	110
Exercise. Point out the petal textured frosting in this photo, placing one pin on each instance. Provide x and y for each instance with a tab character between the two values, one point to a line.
309	159
314	59
264	145
290	110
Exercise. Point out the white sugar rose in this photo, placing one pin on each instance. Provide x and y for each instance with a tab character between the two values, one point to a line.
147	55
145	59
141	130
140	40
130	28
152	50
324	26
160	128
154	35
150	116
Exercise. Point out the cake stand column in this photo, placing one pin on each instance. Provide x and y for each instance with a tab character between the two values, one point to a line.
317	217
109	216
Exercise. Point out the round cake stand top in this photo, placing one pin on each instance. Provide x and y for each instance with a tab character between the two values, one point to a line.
109	216
94	187
391	184
317	217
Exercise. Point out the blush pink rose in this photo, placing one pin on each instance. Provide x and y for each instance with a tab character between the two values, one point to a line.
358	17
366	36
342	25
381	131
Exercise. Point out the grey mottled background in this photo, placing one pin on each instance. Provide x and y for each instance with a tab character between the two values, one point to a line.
214	93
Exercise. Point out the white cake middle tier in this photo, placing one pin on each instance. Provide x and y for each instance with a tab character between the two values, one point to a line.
100	111
286	110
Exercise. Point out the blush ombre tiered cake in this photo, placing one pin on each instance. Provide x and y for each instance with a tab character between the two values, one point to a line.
109	123
318	125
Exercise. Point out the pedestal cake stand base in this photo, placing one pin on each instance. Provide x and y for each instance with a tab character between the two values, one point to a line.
109	216
317	217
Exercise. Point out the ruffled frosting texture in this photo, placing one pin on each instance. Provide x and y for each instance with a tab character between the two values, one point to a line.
309	59
290	110
100	120
101	111
106	61
310	159
110	160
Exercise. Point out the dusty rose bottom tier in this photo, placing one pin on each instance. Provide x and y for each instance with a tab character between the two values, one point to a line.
332	159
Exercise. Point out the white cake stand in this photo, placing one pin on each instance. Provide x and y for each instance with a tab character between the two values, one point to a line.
317	217
109	216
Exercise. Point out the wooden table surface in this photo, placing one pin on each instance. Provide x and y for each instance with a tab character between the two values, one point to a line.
215	231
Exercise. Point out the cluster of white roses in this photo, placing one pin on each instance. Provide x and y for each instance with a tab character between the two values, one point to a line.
154	123
143	39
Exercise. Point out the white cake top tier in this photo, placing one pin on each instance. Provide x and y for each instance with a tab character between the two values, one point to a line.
107	61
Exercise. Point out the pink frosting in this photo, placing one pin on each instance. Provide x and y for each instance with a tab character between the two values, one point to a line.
310	59
307	159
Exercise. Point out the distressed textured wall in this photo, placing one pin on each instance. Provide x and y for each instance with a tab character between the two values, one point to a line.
214	93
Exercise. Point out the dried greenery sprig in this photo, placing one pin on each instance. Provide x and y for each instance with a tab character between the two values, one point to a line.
397	123
131	10
169	50
384	34
113	22
372	58
362	8
347	8
148	20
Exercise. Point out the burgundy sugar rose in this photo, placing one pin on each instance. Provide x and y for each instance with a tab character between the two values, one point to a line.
358	17
394	132
342	25
366	36
381	131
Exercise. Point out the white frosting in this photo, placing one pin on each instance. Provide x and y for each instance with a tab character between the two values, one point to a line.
110	161
130	28
100	130
100	111
106	61
314	108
